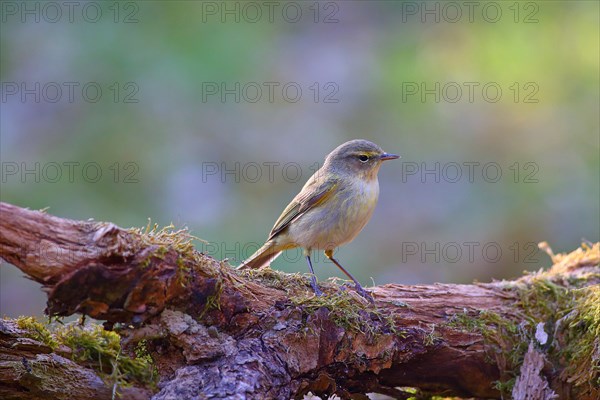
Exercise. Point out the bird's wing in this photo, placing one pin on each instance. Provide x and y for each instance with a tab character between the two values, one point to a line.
315	192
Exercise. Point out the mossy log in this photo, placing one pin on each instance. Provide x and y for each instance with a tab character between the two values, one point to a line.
214	332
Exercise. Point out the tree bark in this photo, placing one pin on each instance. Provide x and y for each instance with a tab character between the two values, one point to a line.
215	332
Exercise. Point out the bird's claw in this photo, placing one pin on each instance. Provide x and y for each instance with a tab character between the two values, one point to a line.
364	294
316	289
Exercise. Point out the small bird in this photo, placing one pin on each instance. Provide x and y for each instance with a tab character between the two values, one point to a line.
332	208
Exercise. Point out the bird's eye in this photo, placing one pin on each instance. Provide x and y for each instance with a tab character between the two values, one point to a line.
363	158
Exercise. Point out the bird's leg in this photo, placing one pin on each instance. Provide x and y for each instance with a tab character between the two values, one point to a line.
359	288
313	280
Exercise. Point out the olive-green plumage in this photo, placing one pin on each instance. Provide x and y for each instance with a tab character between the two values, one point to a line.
332	208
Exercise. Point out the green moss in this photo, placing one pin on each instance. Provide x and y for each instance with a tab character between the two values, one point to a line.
345	311
541	299
432	337
348	312
213	302
416	394
165	239
181	239
506	342
572	313
102	350
505	387
95	347
582	339
294	284
466	322
37	331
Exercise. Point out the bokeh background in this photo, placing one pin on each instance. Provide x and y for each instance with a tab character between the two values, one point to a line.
180	133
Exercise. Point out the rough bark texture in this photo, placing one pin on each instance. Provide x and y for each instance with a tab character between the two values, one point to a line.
214	332
530	384
31	370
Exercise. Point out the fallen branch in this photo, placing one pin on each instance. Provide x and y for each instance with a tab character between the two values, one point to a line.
221	333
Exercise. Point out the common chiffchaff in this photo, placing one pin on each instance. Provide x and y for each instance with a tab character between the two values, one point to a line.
332	208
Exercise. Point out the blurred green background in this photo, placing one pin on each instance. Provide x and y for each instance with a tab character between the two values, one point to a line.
171	104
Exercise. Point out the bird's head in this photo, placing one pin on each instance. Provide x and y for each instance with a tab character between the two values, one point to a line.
358	157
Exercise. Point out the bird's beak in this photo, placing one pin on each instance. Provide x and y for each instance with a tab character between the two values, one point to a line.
386	156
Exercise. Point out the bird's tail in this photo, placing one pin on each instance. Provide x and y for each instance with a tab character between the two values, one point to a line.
263	256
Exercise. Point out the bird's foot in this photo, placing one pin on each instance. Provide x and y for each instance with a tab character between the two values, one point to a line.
364	294
315	287
318	292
